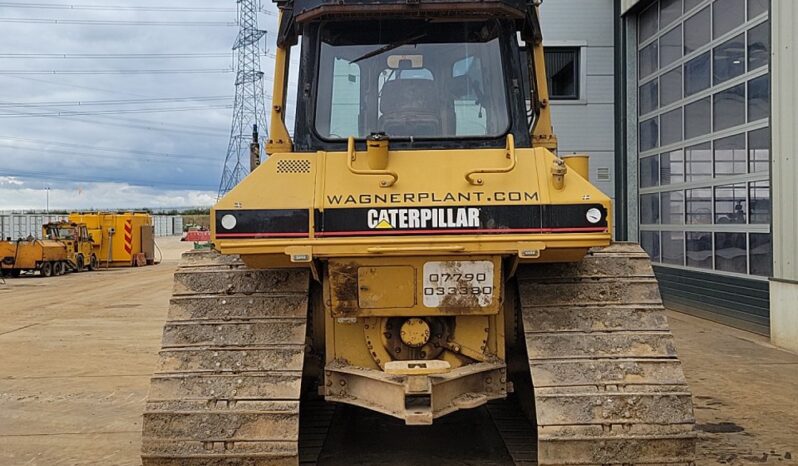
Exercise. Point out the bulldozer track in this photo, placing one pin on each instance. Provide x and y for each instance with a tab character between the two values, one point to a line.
515	431
229	377
315	420
608	386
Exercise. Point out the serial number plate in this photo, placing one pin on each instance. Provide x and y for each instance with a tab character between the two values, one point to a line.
458	284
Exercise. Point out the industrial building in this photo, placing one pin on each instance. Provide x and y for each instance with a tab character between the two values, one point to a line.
687	110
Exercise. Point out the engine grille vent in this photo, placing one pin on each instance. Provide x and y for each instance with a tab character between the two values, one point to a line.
603	174
293	166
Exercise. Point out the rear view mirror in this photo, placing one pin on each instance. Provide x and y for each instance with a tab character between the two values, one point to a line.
405	62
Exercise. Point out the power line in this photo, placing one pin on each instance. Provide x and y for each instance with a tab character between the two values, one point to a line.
106	22
116	111
84	179
126	56
76	86
167	155
143	126
116	56
131	123
117	120
134	123
86	103
78	155
165	127
119	72
12	73
127	123
63	6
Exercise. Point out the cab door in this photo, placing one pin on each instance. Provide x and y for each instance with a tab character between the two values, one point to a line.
85	244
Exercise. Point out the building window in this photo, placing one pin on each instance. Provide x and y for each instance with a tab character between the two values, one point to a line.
699	250
696	31
726	15
562	69
703	134
758	44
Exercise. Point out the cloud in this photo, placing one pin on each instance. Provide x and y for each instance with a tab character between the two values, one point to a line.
10	180
100	196
186	149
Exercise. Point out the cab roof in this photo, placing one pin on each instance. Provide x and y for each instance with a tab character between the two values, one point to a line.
295	13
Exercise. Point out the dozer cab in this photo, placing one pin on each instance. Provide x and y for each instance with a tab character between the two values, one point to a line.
416	247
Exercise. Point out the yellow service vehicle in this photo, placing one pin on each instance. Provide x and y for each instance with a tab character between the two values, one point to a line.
416	247
66	247
48	257
78	242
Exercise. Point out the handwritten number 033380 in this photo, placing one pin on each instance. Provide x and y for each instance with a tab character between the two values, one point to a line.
472	280
441	284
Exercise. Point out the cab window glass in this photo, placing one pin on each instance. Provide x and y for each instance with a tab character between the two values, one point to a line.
345	98
407	81
467	74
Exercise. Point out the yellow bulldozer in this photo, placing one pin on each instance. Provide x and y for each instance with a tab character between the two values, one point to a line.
416	247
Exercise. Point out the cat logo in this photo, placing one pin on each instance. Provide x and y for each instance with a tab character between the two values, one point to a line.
424	219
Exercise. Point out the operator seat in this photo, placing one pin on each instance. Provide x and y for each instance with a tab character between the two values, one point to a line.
410	107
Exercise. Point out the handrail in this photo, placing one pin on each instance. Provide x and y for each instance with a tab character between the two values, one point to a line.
351	156
510	154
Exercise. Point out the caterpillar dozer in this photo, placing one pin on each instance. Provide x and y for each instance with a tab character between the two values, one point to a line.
416	247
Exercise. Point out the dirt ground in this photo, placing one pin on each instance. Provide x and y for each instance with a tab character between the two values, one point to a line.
745	393
76	353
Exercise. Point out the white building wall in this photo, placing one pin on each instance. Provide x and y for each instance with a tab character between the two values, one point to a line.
586	125
784	284
18	225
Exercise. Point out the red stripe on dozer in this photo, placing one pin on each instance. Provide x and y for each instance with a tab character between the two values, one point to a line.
262	235
417	232
387	232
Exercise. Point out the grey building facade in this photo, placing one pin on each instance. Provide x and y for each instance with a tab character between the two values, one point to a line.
691	104
585	124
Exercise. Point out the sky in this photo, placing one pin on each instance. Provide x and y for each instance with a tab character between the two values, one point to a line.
89	110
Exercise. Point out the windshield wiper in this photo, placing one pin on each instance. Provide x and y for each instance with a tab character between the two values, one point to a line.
388	47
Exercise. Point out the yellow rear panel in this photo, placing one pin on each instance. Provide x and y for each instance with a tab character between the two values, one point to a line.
316	203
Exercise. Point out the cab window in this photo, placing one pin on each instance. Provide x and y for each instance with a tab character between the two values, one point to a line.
408	80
